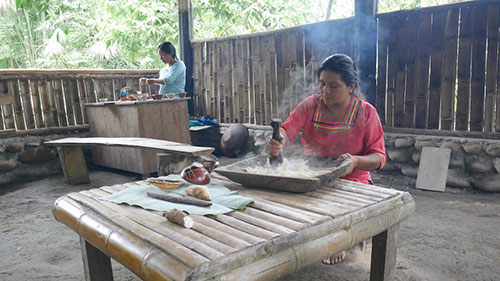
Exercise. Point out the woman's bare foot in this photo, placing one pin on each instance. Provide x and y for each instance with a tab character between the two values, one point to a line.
335	259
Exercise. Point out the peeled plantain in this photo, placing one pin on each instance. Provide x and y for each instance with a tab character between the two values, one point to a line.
199	191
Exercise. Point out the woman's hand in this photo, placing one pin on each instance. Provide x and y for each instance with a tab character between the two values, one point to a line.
143	80
353	159
274	147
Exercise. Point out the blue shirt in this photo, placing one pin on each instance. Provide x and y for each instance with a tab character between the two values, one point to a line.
174	77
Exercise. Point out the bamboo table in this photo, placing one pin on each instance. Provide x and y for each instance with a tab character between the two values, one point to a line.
278	234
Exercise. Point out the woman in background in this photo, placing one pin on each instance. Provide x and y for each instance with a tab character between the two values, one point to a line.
337	124
172	78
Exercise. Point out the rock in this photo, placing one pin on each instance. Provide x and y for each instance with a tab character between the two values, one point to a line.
399	155
410	171
7	165
473	148
488	183
456	178
457	161
15	147
451	145
420	144
496	164
493	150
478	164
38	155
404	142
416	157
390	166
2	149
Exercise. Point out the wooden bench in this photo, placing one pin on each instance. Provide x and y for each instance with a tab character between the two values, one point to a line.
73	162
276	236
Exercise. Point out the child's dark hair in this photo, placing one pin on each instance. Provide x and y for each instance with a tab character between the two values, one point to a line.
168	48
343	65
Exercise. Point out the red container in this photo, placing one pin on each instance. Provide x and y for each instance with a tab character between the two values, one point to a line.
196	174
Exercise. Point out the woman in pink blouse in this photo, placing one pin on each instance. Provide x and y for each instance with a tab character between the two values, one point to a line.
336	123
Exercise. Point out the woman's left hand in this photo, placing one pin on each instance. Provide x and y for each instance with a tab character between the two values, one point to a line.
353	159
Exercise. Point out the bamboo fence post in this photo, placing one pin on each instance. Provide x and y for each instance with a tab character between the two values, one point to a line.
83	99
18	108
491	68
231	89
35	95
238	82
449	70
265	103
391	72
207	76
246	80
382	69
211	75
278	43
27	106
464	57
422	67
196	76
99	88
269	51
227	81
89	89
400	75
44	100
8	115
75	97
293	72
438	26
61	111
53	108
274	82
257	110
479	17
108	90
68	92
287	90
409	115
223	76
215	83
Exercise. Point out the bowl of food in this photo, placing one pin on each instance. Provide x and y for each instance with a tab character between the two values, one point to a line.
182	95
157	97
165	184
103	99
170	96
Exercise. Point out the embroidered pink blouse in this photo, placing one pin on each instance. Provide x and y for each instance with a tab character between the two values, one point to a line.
359	134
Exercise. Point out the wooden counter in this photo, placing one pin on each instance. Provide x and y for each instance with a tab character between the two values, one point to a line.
166	119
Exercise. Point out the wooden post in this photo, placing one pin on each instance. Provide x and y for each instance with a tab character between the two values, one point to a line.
366	46
73	164
96	264
185	37
384	248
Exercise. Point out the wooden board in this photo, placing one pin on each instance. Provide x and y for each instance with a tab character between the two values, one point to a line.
433	168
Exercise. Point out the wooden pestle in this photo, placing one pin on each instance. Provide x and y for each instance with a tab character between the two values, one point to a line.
276	124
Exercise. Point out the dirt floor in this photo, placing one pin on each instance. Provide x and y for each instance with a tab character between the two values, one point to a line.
451	236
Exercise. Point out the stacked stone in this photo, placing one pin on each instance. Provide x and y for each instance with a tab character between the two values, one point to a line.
473	162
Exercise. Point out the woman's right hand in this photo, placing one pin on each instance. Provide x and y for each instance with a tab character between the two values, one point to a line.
274	147
143	80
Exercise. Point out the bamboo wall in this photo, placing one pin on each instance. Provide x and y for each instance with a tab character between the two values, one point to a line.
438	67
32	99
254	78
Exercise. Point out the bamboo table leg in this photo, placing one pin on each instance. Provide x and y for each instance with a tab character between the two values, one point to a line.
96	264
73	164
384	246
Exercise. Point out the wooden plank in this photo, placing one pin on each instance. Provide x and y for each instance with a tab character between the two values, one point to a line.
27	104
83	99
59	102
391	72
89	90
400	79
75	100
35	97
491	68
479	18
383	259
409	115
438	26
44	102
382	69
52	103
18	108
73	165
96	265
449	70
464	61
68	98
433	168
422	70
8	116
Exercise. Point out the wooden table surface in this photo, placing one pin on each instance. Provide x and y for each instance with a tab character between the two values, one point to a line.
278	234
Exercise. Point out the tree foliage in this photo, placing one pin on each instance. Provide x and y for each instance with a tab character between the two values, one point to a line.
125	34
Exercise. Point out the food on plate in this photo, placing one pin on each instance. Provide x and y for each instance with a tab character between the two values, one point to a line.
199	191
165	184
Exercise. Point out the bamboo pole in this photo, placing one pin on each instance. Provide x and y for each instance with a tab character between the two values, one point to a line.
226	229
215	82
287	89
8	115
293	73
44	100
491	67
75	101
99	88
422	71
278	43
59	101
18	108
238	82
274	82
68	93
391	72
382	70
409	114
449	71
83	98
27	106
246	80
479	18
35	96
400	75
265	76
90	91
256	71
438	26
464	61
53	106
196	77
108	90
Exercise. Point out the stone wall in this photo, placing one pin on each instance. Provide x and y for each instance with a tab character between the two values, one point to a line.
27	158
474	163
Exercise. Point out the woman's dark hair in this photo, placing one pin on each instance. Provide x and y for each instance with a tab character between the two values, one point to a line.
168	48
343	65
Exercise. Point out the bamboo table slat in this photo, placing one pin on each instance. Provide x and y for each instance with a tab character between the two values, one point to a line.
278	234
